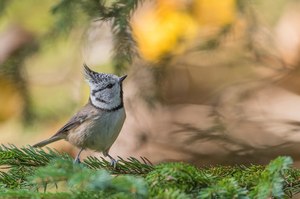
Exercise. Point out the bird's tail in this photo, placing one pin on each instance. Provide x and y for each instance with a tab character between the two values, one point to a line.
48	141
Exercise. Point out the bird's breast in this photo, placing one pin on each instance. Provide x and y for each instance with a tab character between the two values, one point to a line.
104	130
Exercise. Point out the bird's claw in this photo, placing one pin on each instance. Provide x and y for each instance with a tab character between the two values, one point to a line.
77	161
113	163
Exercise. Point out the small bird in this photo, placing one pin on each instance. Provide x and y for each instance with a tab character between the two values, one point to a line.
97	125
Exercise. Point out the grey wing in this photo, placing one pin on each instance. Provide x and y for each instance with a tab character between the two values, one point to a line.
82	116
75	121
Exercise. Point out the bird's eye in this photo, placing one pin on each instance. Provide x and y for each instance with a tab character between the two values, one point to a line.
109	86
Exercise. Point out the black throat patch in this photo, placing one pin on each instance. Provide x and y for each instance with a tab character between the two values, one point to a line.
121	105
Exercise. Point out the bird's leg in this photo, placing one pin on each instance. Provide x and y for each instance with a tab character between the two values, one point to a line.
77	159
113	162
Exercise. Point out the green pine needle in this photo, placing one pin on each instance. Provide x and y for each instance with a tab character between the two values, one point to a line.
130	166
69	14
28	172
12	156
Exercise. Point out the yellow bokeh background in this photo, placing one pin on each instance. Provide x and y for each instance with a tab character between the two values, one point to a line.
170	27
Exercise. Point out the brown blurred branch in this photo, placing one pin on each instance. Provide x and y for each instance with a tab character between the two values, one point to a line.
16	45
11	40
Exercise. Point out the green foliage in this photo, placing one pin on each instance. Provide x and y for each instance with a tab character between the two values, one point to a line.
27	156
133	166
21	163
272	179
225	188
171	193
22	193
80	178
34	173
177	176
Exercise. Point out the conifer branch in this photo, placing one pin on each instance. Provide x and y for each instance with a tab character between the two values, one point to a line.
12	156
37	170
131	166
118	13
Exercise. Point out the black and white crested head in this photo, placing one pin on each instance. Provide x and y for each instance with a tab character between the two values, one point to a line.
105	89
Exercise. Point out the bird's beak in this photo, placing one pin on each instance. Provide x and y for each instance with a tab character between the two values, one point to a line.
122	78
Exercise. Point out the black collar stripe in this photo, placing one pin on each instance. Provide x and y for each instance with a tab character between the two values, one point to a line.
108	110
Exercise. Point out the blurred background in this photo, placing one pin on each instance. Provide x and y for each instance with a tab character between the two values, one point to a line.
209	81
